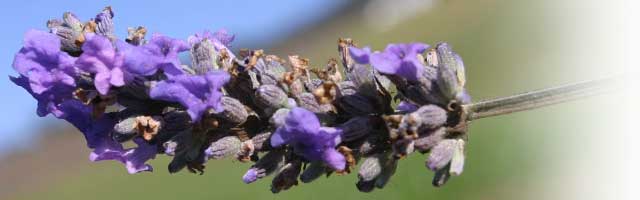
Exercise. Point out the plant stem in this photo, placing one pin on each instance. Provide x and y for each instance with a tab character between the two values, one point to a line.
539	98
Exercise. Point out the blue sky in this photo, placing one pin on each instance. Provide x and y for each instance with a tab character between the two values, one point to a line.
257	24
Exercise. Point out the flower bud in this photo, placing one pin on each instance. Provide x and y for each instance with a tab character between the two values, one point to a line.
186	151
71	21
71	40
204	57
388	170
441	154
224	147
347	88
308	101
371	167
426	117
287	177
356	128
371	144
268	164
174	123
270	69
277	119
366	186
451	76
234	111
363	78
427	141
271	96
355	105
313	171
261	141
125	129
457	161
104	23
441	177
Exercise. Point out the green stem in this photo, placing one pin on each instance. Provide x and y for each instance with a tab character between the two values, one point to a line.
539	98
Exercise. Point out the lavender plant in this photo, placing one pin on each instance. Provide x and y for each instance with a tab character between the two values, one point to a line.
292	121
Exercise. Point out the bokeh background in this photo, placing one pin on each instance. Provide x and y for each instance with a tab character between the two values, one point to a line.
568	151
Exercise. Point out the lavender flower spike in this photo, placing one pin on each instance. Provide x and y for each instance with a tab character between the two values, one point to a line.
196	93
303	132
401	60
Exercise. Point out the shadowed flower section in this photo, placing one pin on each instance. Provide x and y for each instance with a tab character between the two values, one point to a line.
97	132
400	59
196	93
99	57
303	132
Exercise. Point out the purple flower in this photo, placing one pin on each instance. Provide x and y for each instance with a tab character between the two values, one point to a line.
360	55
196	93
96	132
401	60
166	50
160	53
98	135
99	57
43	63
135	158
303	132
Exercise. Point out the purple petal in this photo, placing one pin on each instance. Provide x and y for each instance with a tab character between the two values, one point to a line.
251	176
410	69
102	82
138	60
136	158
360	55
302	120
279	137
117	77
386	63
334	159
405	106
99	57
175	92
224	37
196	93
418	48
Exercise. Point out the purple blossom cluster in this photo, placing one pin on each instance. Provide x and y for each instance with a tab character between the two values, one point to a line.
289	119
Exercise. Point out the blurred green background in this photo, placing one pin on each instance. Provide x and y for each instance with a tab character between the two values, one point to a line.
507	46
